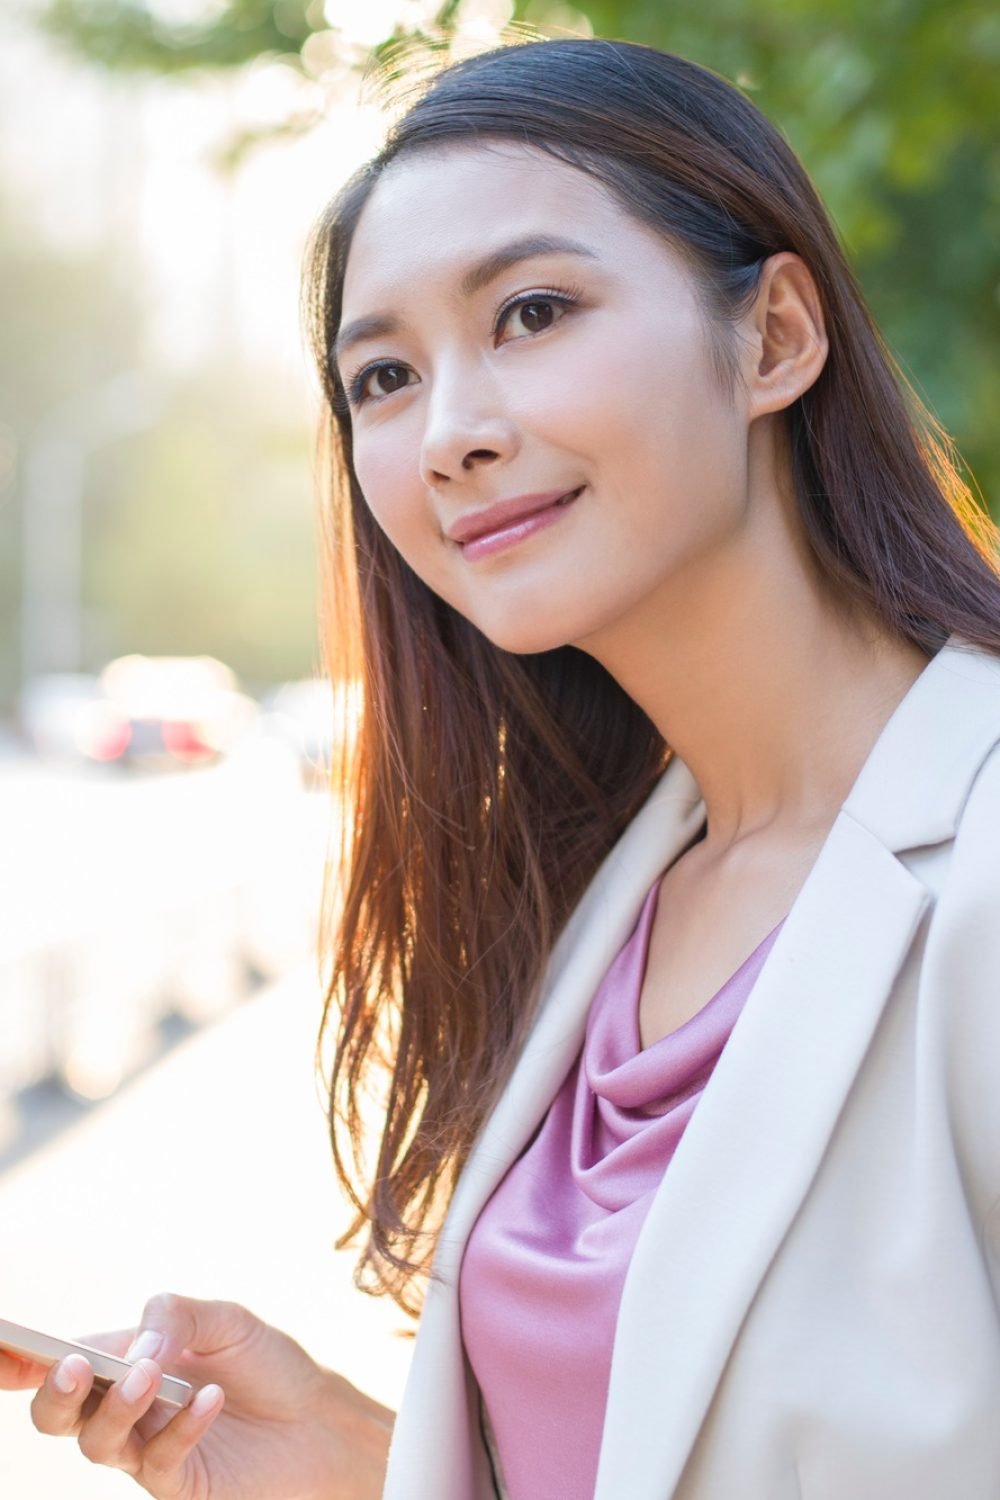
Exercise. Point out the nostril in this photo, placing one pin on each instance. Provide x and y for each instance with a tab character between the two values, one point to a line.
482	453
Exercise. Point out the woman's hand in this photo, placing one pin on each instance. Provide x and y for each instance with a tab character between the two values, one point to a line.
267	1424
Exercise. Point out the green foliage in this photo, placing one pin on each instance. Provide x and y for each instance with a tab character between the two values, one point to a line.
129	34
136	34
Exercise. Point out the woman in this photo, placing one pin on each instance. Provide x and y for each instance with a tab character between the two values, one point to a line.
671	891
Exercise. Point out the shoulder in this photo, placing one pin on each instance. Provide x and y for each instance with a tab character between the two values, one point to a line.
973	881
961	723
960	982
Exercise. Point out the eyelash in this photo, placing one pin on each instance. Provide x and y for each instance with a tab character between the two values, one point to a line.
565	297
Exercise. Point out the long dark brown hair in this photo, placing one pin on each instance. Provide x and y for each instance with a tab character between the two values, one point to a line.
483	788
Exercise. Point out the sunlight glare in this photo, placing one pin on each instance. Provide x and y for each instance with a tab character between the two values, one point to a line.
365	23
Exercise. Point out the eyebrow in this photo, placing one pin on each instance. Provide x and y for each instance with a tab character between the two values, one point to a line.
478	276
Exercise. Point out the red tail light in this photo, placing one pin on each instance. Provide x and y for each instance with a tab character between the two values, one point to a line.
184	740
104	739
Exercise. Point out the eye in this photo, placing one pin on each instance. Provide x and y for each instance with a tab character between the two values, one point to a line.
377	380
531	313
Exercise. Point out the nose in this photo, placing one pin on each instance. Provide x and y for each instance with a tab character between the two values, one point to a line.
466	429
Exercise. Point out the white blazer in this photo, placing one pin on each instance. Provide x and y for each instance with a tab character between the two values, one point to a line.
811	1311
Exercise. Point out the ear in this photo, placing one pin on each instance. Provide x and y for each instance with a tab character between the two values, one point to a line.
785	335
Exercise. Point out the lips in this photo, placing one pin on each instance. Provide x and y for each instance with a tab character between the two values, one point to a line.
503	513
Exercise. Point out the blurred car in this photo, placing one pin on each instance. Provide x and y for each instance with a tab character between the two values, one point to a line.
179	709
68	715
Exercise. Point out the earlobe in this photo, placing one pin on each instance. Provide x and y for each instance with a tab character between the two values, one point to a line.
790	338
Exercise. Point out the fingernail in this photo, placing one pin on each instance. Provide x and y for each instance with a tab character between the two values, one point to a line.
205	1399
146	1346
64	1379
136	1383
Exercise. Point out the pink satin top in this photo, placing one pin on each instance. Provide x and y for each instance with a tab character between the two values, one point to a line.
545	1264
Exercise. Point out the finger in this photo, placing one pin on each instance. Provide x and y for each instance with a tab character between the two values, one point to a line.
166	1453
107	1437
171	1324
20	1374
57	1406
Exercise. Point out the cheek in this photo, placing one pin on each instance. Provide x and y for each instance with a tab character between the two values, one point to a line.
389	479
672	431
389	475
574	392
559	394
627	403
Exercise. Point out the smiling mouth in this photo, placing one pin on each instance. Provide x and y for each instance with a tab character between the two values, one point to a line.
508	533
526	516
552	505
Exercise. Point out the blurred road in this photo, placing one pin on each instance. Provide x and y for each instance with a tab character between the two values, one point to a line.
131	898
209	1175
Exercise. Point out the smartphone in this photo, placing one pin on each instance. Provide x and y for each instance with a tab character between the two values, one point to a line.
107	1368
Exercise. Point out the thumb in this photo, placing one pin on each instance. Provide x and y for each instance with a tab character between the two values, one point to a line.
170	1324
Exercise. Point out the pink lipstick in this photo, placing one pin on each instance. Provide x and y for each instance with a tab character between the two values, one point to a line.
507	522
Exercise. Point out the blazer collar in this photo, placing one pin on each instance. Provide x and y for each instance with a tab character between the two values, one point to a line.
912	788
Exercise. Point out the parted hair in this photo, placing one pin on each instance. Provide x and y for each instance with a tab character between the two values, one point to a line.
481	789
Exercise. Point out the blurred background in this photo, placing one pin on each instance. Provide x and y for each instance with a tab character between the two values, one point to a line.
164	822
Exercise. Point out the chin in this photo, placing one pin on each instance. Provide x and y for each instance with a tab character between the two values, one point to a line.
565	622
525	637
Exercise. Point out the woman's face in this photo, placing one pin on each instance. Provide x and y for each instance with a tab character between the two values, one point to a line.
510	336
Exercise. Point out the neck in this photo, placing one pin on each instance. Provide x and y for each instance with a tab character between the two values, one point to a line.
771	692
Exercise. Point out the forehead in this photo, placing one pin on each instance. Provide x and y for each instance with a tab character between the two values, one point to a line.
433	213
